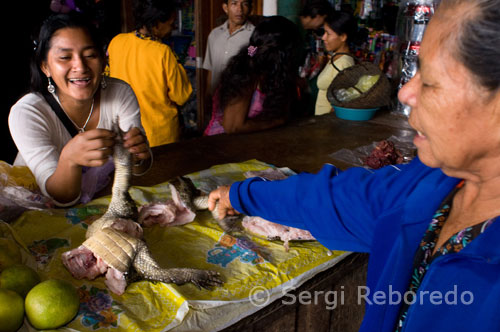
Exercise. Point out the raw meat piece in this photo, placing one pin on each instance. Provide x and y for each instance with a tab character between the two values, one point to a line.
115	281
273	231
268	174
167	213
82	263
385	153
174	212
128	226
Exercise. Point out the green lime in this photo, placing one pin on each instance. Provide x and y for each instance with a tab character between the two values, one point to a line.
11	310
51	304
10	253
19	278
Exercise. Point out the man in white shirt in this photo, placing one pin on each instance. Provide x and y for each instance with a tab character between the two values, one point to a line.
227	39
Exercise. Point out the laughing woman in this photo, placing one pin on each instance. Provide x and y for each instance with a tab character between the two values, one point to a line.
62	127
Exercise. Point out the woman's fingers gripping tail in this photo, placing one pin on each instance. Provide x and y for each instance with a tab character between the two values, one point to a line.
219	199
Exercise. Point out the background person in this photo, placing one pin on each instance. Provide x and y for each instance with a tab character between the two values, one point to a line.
159	81
431	226
67	66
313	14
340	29
311	19
227	39
259	86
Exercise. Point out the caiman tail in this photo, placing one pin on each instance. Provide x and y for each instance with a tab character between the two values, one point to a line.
229	224
121	205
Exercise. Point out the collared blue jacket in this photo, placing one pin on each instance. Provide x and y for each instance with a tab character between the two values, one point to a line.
385	213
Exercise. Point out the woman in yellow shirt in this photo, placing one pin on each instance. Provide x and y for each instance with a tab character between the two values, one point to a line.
340	27
151	68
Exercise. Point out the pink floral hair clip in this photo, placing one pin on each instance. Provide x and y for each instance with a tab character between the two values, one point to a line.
252	50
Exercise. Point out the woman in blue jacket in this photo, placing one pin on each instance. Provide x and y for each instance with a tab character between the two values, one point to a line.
431	227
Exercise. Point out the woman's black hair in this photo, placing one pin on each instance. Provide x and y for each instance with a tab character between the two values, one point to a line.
478	39
273	66
343	23
43	43
148	13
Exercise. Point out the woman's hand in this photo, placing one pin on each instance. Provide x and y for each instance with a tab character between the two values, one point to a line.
91	148
137	145
219	199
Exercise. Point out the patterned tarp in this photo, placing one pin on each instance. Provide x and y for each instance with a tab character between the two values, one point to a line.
256	271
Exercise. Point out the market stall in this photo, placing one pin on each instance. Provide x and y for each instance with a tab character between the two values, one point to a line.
246	267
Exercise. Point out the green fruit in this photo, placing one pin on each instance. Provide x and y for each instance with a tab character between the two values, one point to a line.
19	278
9	253
51	304
11	310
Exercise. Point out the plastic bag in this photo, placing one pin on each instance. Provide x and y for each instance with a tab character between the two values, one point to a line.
95	179
348	94
17	176
358	156
364	84
19	192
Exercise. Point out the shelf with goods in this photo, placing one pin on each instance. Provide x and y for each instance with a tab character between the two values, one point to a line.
413	17
182	42
393	31
377	41
182	39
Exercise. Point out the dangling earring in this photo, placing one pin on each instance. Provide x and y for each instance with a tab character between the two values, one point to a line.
51	88
104	84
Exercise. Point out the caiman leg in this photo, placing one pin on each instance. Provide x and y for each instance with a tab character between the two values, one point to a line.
145	265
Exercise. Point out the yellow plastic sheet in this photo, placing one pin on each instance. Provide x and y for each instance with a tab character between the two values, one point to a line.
17	176
255	271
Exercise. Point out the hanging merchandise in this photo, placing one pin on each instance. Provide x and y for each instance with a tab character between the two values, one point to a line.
378	48
413	17
336	4
366	9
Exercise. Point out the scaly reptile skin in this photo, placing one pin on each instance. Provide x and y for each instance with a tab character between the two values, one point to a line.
186	190
122	251
149	269
121	205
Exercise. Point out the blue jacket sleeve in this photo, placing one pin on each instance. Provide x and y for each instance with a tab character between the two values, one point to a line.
339	208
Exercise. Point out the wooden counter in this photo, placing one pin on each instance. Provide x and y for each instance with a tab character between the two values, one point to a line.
301	146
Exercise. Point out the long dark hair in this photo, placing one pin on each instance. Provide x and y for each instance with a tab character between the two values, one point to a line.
343	22
273	66
148	13
42	44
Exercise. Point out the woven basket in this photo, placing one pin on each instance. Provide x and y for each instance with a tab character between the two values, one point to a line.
378	95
